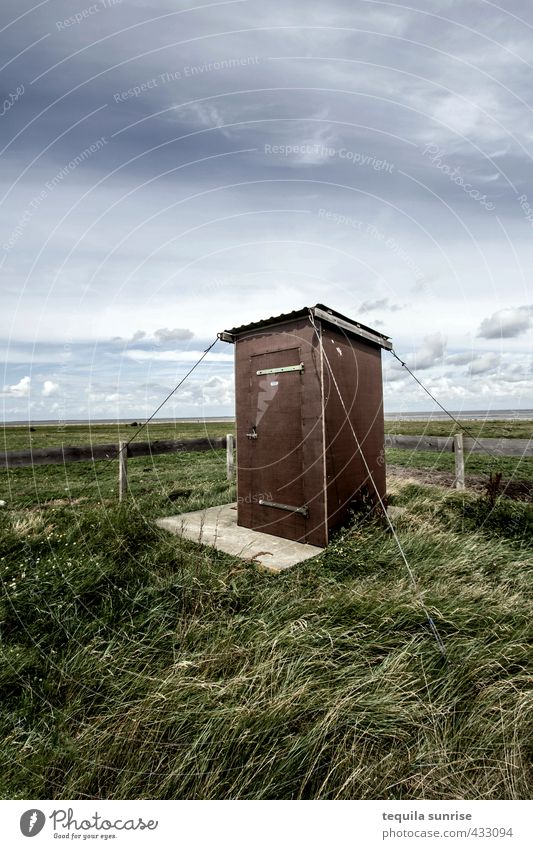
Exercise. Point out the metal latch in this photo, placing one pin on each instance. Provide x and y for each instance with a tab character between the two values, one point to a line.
253	434
304	511
281	369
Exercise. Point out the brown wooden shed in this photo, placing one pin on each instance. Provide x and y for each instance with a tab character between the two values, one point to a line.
309	403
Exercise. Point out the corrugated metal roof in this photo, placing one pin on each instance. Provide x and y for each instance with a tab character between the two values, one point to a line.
319	311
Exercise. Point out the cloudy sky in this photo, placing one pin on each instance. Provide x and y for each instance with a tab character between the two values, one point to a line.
172	168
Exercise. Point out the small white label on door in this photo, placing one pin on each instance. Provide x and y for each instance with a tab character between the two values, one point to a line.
274	382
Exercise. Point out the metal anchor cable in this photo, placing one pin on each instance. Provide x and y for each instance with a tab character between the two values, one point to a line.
444	410
170	394
430	621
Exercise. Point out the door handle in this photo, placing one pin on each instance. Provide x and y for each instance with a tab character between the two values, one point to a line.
253	433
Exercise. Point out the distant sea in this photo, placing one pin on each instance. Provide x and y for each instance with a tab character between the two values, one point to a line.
503	415
438	415
140	420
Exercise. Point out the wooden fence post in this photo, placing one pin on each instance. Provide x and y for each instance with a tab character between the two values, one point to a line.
459	461
229	457
122	470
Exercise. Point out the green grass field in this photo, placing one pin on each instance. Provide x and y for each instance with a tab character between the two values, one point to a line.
94	482
40	436
138	665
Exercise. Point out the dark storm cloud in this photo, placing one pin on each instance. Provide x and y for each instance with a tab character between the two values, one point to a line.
362	148
129	63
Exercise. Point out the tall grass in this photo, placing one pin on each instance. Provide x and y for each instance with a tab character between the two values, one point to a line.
138	665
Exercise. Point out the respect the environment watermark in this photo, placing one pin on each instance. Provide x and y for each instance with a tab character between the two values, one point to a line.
186	72
83	14
373	232
38	199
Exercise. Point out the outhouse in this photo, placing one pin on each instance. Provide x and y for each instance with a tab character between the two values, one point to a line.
309	421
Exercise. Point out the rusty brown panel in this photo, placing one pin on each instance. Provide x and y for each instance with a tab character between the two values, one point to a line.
356	366
286	460
276	453
313	439
242	391
269	466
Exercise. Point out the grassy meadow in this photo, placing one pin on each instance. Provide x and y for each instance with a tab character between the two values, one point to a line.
100	478
135	664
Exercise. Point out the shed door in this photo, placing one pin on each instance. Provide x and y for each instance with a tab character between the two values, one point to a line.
271	452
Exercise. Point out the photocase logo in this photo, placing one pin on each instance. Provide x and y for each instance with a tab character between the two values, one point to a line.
32	822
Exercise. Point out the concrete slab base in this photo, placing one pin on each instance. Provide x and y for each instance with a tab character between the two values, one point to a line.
217	527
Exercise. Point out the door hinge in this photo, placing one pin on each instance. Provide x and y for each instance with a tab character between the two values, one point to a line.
281	369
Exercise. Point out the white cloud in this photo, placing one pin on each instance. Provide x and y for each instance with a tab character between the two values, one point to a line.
393	376
477	363
206	115
162	336
50	388
139	355
461	359
20	389
505	324
450	110
213	392
315	143
379	304
485	363
444	387
218	390
490	178
431	352
178	334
